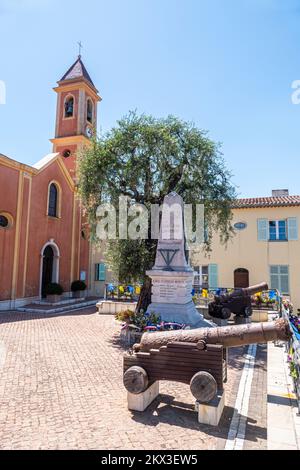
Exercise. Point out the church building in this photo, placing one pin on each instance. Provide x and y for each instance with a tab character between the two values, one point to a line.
43	235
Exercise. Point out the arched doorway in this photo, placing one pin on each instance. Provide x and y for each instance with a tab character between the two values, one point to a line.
241	277
49	266
47	269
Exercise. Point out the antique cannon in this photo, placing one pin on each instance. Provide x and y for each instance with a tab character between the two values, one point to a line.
238	302
196	357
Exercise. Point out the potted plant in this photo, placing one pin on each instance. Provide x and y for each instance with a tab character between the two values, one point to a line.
54	292
78	288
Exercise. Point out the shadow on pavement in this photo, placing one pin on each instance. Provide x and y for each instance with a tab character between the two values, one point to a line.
165	409
14	316
117	342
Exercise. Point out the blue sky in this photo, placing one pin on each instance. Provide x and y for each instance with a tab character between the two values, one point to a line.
227	65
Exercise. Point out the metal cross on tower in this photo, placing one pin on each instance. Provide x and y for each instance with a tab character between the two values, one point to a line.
80	47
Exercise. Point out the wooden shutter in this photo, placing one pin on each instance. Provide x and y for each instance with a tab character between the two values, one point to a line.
102	272
274	277
262	229
213	276
292	224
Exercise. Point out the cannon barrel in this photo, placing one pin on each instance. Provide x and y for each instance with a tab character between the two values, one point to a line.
248	291
243	292
237	302
228	336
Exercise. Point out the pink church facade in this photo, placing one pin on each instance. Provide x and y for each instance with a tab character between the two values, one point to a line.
43	235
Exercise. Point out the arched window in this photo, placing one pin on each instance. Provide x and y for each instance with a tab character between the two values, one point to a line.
66	153
69	107
89	111
53	201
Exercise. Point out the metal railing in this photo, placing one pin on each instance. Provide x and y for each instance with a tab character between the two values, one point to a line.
122	293
270	299
293	351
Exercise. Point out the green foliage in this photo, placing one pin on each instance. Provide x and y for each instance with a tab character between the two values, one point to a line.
78	286
139	319
130	259
142	320
145	159
54	289
125	316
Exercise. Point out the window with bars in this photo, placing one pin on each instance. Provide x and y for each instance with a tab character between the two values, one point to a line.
279	276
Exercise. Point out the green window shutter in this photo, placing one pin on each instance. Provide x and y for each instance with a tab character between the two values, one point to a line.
96	272
284	284
284	279
292	224
213	276
279	277
262	229
274	277
102	272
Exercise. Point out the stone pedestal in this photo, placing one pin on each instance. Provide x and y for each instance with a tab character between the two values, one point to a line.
172	298
210	413
130	337
242	320
111	307
220	321
141	401
259	316
172	276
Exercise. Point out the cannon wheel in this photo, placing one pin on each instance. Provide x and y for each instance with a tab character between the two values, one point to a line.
203	386
226	313
136	380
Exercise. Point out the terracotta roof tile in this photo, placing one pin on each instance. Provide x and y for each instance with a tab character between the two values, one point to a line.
279	201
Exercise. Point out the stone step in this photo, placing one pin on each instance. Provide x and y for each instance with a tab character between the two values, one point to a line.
58	309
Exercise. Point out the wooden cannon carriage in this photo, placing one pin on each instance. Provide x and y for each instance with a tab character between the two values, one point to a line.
196	357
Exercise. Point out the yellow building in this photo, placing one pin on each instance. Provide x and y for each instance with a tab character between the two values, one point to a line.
265	247
100	273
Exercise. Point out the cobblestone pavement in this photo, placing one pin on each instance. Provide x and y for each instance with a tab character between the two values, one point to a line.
61	388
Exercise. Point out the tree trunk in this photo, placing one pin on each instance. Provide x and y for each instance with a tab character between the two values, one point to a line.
145	296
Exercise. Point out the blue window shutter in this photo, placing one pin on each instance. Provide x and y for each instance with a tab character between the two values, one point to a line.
279	276
100	272
274	277
284	284
262	229
213	276
292	228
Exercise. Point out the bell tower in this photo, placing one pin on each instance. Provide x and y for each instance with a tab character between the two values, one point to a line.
76	114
